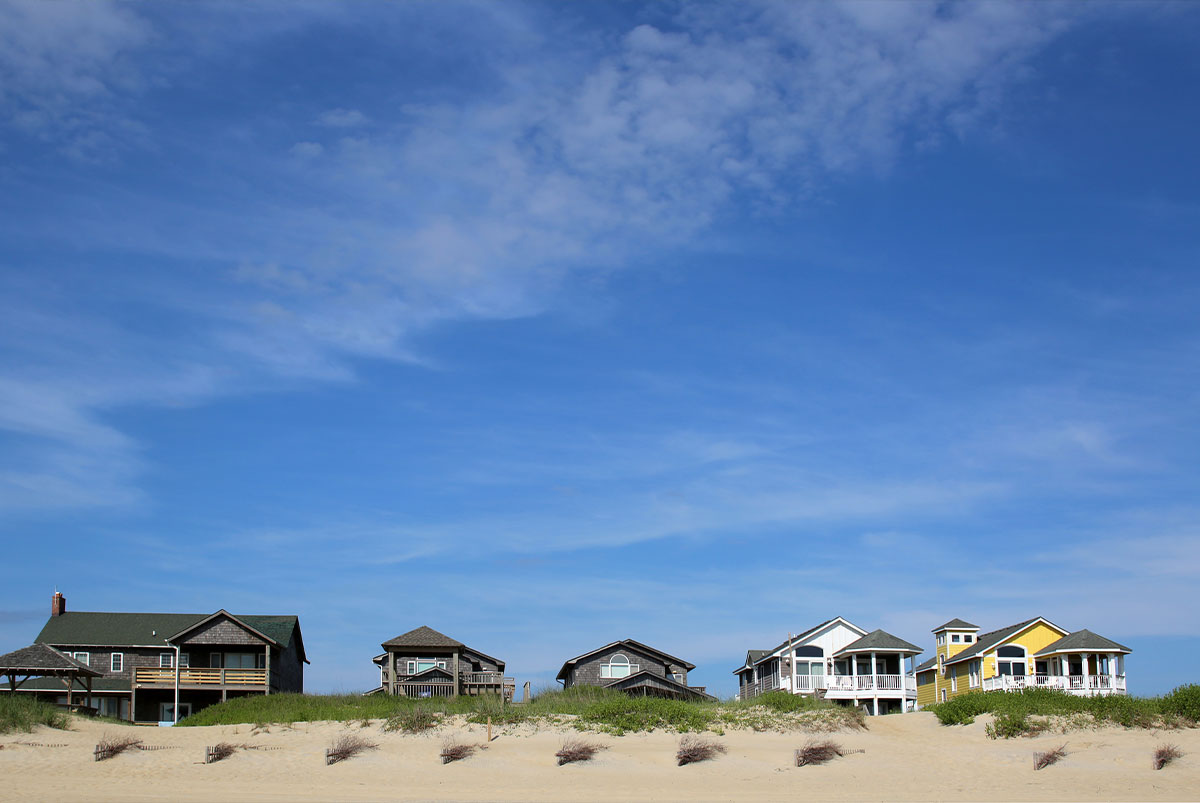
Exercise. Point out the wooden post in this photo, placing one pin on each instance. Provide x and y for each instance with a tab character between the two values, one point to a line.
527	691
489	730
457	689
268	666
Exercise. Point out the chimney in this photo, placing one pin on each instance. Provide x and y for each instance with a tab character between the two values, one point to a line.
58	605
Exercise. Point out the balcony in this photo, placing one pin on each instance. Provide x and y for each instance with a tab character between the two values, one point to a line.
851	686
1081	685
165	676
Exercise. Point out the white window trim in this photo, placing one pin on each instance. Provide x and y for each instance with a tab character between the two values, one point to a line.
116	662
412	666
84	658
954	681
185	660
166	660
606	669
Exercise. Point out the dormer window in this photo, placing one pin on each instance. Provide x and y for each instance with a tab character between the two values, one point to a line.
618	666
955	638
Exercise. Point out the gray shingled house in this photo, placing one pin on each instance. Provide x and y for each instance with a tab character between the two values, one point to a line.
634	668
426	663
143	658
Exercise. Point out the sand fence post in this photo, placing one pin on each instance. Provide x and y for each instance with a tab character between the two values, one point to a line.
489	730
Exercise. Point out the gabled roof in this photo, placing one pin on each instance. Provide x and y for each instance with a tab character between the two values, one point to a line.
752	658
562	673
926	665
956	624
422	637
643	678
878	640
42	659
228	615
811	631
987	641
106	629
1083	641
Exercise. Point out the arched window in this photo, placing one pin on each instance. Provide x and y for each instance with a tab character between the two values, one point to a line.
618	666
1010	660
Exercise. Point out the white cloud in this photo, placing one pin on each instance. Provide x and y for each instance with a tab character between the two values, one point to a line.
307	150
342	118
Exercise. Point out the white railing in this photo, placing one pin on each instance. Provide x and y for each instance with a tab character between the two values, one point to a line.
857	683
1081	684
805	683
486	678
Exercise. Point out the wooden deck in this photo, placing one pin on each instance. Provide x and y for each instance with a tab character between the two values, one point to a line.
154	676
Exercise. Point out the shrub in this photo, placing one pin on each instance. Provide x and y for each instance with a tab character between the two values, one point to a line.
576	750
418	720
1183	702
348	745
693	749
622	714
1043	760
1165	754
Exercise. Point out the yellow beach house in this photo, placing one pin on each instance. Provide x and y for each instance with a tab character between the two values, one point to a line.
1035	653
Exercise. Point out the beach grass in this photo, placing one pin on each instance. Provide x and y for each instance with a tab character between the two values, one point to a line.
19	712
588	708
1012	711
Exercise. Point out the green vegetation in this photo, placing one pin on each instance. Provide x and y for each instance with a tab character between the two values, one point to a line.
587	708
20	712
1013	711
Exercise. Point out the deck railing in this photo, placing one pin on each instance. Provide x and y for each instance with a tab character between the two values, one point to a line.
165	676
1067	683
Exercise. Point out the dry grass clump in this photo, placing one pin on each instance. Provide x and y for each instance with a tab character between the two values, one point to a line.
1043	760
348	745
1165	754
456	751
576	750
820	752
694	748
110	746
220	752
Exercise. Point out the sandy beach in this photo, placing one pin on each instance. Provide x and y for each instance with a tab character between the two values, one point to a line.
909	757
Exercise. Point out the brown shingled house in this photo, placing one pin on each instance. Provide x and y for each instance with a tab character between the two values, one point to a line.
426	663
142	658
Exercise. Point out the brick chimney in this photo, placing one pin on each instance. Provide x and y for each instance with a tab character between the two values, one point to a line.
58	605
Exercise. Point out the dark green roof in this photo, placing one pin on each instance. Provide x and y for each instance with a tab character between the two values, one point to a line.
986	641
956	624
102	629
1084	641
879	640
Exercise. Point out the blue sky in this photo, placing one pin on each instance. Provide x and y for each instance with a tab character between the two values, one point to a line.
550	325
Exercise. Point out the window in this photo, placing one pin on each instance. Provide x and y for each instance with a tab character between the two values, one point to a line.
941	639
618	666
943	695
244	660
967	638
954	680
942	664
416	666
185	660
678	677
973	669
955	638
166	660
118	662
84	658
1011	660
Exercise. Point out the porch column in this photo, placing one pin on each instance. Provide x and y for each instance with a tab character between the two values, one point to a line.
1086	674
457	689
267	673
874	687
1112	672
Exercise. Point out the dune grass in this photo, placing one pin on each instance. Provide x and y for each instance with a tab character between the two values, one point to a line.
1012	710
588	708
21	712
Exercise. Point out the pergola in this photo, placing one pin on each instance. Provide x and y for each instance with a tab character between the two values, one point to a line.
42	660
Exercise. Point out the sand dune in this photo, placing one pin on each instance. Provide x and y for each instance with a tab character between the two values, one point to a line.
909	757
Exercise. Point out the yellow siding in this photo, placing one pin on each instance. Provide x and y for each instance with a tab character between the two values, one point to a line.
1034	638
925	693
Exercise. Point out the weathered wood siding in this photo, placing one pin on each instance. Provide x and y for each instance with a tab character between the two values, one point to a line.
222	631
587	671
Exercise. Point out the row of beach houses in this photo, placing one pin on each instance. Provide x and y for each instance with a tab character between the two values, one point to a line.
156	667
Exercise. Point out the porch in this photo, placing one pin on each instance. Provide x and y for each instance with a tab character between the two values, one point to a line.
150	677
1081	685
